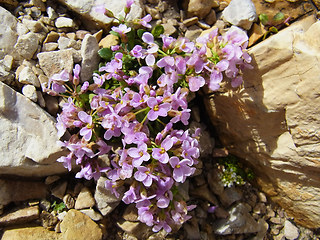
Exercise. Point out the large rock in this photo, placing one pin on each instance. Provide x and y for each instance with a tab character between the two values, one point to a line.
30	233
87	10
274	120
241	13
8	33
28	137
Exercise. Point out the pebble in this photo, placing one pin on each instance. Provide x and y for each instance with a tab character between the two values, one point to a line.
190	21
68	201
64	22
108	41
30	92
51	179
49	47
211	18
27	45
291	232
59	190
84	199
20	216
95	216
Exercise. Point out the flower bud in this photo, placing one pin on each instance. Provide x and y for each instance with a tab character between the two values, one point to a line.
109	14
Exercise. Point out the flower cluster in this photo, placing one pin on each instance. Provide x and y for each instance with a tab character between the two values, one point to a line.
135	111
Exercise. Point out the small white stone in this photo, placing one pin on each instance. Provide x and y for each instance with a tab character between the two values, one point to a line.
291	232
30	92
64	22
27	76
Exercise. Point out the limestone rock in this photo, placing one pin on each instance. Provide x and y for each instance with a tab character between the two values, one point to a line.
291	232
85	199
27	45
239	221
90	57
30	233
95	216
241	13
30	92
105	200
87	10
27	76
108	41
54	62
8	32
76	225
64	22
28	146
20	216
16	191
199	8
273	121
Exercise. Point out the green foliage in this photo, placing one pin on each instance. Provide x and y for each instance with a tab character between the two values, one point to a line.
273	24
105	53
264	19
58	207
233	172
157	31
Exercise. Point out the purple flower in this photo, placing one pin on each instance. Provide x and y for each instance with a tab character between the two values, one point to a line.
86	131
66	161
216	74
136	51
149	39
181	169
144	21
139	154
57	81
144	175
129	196
161	153
182	116
156	109
195	83
236	82
145	215
129	3
185	45
112	186
167	41
122	29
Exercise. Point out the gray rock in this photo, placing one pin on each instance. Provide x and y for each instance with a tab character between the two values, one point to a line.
90	57
49	47
54	62
65	43
239	222
263	228
230	195
16	191
20	216
64	22
291	232
28	137
88	12
193	32
241	13
8	32
205	141
34	26
30	92
27	45
106	202
59	190
27	76
192	229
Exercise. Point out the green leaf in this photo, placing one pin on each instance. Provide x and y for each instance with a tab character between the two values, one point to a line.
273	29
105	53
278	17
264	18
157	31
140	32
115	33
91	95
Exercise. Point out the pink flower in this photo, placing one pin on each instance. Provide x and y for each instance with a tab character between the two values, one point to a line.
156	109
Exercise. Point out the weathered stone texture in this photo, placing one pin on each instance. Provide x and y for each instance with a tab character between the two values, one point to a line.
274	121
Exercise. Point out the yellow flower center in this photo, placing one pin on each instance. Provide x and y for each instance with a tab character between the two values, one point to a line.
162	150
141	153
178	166
156	108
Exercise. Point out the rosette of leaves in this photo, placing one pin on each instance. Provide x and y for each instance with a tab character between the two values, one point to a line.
272	24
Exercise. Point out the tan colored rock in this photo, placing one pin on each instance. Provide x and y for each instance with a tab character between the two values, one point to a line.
274	121
199	8
77	225
84	199
108	41
30	233
20	216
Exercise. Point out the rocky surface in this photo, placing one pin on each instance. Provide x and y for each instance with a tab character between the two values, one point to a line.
273	119
41	38
28	146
